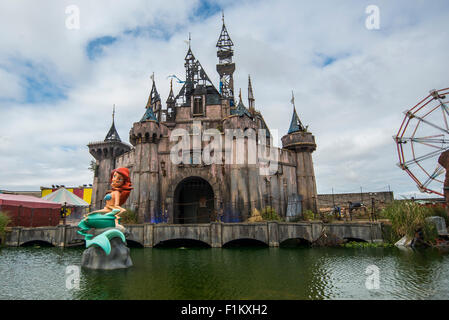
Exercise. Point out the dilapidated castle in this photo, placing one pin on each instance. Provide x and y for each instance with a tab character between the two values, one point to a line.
192	192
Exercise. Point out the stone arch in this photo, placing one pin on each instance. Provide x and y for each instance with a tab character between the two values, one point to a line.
194	201
350	239
134	244
182	242
245	242
295	242
170	195
39	242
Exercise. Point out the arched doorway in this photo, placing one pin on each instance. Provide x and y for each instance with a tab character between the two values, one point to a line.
193	201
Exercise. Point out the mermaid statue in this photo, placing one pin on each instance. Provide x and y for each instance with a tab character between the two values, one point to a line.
109	216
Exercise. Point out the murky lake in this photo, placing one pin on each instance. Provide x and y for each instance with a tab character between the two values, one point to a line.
233	273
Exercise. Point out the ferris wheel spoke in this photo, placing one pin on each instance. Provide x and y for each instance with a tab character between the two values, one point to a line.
421	158
445	112
428	122
428	141
438	171
444	108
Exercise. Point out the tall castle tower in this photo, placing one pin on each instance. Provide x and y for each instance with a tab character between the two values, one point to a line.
302	142
144	136
105	152
225	66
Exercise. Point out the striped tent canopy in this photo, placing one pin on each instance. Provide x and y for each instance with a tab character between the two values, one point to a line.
65	197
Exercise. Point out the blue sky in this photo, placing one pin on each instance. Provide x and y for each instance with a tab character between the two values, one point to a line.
351	84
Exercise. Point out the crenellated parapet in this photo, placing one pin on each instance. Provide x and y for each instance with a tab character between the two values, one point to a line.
107	149
299	141
145	132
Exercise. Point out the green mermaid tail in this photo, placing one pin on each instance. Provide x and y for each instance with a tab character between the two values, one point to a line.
100	221
103	240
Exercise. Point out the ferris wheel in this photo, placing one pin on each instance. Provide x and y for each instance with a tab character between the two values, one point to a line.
422	137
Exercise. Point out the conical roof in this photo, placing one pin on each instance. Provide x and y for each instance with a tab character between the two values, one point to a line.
295	124
65	197
154	95
112	134
224	41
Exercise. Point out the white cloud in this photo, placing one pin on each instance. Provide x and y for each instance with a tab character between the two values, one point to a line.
10	88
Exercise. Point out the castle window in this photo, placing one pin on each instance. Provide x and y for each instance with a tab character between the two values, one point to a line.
198	106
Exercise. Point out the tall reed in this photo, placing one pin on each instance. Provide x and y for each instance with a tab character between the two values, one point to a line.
407	218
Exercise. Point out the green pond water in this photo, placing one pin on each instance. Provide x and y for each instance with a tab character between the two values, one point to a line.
233	273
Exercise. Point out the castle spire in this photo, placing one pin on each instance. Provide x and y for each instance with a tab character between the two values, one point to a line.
195	74
225	66
112	133
224	42
295	124
153	105
154	95
250	96
113	112
171	96
240	110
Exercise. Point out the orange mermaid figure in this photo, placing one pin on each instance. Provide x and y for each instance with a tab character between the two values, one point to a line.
119	193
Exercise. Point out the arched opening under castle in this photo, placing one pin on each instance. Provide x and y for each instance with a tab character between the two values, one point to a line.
193	201
39	243
182	243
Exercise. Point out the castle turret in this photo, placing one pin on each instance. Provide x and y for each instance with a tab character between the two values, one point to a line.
303	144
225	66
105	152
145	136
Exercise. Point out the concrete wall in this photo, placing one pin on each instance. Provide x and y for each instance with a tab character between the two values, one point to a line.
342	199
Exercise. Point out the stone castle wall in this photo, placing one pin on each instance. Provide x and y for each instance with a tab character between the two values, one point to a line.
237	187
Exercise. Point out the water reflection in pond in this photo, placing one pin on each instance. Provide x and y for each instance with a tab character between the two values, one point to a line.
232	273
